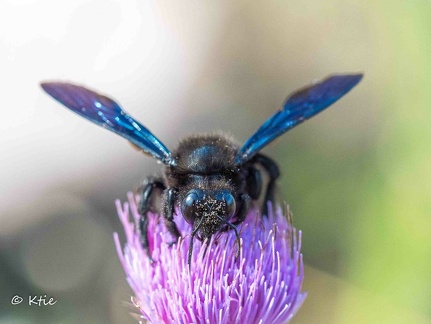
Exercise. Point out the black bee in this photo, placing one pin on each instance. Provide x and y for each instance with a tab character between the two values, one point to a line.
211	179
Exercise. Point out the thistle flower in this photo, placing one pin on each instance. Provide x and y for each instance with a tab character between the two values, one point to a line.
262	284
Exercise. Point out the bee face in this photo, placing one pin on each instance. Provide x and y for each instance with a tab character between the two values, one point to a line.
208	210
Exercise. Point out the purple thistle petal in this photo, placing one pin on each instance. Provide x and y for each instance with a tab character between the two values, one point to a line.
262	285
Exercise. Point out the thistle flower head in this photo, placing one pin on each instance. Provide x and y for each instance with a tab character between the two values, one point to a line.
261	284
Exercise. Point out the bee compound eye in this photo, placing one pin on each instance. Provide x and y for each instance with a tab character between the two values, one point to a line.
227	197
188	207
230	205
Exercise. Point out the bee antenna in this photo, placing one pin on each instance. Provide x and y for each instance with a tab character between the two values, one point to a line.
236	233
189	257
206	246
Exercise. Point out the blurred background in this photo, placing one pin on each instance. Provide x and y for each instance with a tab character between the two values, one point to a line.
357	177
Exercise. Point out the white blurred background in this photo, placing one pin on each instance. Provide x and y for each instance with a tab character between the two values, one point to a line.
190	66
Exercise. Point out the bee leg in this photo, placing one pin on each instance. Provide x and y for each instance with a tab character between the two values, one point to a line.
168	213
271	167
244	207
146	192
254	183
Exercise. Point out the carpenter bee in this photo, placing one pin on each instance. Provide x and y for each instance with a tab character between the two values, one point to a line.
209	178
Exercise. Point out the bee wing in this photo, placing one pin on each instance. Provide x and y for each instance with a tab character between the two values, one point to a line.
300	105
105	112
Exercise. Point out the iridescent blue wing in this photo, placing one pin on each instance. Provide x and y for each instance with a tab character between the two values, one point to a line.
301	105
107	113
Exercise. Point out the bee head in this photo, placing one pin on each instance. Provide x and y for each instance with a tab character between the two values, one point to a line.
208	210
